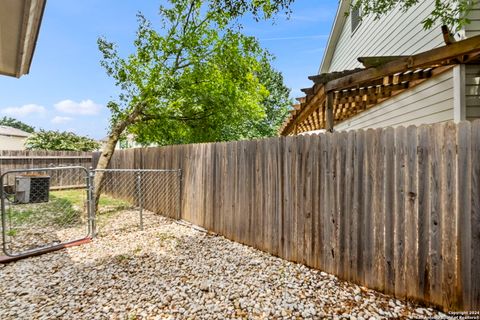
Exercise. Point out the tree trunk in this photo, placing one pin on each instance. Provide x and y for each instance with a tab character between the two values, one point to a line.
107	154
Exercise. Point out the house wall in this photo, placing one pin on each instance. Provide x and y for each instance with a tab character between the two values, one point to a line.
395	33
473	28
472	91
429	102
12	143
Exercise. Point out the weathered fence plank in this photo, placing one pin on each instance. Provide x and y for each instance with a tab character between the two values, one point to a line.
378	214
399	212
358	211
435	239
423	210
20	159
449	214
474	294
464	205
368	243
411	214
388	209
349	232
330	204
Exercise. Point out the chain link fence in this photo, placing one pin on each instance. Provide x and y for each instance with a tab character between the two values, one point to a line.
136	191
44	207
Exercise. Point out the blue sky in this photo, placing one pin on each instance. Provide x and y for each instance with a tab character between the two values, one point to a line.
68	90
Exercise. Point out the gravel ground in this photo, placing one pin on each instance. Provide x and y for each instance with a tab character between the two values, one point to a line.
170	271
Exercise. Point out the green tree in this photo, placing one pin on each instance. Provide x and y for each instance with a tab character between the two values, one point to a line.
452	13
195	80
60	141
14	123
275	105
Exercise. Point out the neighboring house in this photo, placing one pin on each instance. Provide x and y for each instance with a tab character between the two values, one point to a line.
391	72
19	25
12	138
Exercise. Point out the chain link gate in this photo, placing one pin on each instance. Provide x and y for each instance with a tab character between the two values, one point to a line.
44	208
131	192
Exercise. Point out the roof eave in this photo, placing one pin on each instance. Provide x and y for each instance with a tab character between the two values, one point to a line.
22	27
337	28
32	44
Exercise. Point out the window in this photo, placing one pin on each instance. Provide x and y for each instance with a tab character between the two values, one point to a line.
355	18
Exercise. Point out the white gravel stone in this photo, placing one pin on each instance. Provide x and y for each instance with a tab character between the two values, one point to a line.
171	271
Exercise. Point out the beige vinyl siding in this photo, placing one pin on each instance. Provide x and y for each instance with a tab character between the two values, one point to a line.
12	143
396	33
429	102
472	91
473	29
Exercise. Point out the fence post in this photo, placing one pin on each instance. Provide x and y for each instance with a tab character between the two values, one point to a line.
179	202
140	197
91	203
4	222
330	118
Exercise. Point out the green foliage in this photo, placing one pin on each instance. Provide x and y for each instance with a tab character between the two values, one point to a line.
197	80
61	141
275	105
260	9
14	123
452	13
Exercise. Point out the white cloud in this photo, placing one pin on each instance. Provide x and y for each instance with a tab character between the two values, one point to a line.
60	120
24	110
84	107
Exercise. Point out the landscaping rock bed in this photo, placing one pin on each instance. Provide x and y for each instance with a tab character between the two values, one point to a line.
171	271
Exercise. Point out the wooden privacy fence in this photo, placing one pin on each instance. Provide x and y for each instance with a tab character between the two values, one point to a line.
20	159
396	210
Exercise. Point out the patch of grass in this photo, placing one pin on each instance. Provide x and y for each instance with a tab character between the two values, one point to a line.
68	213
65	208
168	237
165	236
122	257
21	215
12	232
57	211
108	201
78	197
131	316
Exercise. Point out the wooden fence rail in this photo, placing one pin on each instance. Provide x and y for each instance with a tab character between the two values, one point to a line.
396	210
16	159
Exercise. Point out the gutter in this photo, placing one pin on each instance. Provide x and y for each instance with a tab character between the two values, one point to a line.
35	38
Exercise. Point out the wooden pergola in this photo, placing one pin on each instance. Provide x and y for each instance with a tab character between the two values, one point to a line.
337	96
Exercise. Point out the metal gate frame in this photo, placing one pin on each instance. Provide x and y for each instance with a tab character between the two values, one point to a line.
90	206
52	247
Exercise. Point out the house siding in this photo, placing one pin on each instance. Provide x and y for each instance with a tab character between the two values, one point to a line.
12	143
472	91
473	29
429	102
396	33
